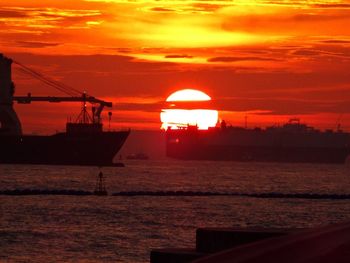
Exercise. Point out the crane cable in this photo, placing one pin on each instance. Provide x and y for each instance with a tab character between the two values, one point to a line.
47	82
53	83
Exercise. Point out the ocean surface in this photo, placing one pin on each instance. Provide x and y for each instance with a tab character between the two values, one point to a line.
72	228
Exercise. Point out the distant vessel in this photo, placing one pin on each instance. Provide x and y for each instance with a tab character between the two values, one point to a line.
83	143
137	156
292	142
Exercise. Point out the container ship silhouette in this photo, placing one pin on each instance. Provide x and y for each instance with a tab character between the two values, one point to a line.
292	142
83	143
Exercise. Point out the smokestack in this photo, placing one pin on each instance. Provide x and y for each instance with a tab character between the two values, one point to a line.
9	122
5	80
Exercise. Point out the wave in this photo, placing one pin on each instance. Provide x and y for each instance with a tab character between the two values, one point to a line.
178	193
45	192
256	195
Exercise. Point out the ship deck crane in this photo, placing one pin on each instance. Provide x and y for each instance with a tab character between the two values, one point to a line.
74	96
84	98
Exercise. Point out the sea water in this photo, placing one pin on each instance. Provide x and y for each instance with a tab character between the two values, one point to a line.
37	228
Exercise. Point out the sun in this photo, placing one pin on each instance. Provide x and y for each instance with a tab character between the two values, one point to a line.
188	107
188	95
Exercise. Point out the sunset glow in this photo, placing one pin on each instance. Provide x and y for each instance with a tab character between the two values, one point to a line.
143	130
177	117
271	60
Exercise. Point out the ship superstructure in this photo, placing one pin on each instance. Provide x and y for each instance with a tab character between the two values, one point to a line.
83	143
292	142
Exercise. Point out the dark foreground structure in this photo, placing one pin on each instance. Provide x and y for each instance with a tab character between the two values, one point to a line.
319	245
292	142
83	143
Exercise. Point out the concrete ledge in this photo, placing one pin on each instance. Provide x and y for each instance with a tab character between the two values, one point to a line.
318	245
174	255
212	240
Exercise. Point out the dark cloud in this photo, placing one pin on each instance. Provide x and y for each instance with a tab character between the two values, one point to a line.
48	16
146	107
120	50
333	5
335	41
162	9
99	75
317	17
235	59
315	23
178	56
327	50
263	105
193	7
207	7
282	106
32	44
306	52
6	13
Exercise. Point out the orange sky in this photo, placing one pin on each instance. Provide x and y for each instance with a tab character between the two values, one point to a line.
269	60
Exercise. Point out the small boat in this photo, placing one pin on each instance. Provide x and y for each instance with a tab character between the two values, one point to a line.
137	156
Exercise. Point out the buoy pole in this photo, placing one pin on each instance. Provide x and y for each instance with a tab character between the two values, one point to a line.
100	188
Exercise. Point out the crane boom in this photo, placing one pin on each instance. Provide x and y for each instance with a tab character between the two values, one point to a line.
84	116
29	99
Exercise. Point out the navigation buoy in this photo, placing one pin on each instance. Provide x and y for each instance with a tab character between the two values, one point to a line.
100	188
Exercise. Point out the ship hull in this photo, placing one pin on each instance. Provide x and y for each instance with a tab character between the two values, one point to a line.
62	149
258	154
203	145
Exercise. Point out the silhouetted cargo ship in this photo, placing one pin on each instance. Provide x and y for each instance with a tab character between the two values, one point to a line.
80	147
83	143
292	142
